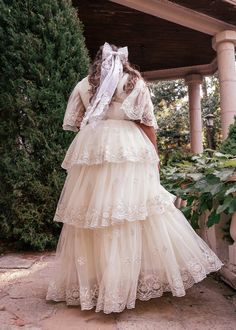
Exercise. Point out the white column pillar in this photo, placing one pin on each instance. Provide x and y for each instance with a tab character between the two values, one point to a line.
194	81
224	43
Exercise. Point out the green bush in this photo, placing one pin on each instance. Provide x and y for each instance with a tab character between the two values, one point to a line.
204	182
43	55
229	145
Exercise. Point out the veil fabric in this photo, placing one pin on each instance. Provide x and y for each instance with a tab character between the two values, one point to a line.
111	72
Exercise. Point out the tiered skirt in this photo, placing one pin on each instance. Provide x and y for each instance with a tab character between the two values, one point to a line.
122	237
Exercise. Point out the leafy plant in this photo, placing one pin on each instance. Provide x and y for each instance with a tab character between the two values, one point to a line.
204	182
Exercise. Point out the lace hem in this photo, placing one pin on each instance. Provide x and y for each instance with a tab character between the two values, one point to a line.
87	217
123	154
136	113
149	286
74	111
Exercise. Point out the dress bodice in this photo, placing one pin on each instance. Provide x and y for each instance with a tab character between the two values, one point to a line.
135	106
115	112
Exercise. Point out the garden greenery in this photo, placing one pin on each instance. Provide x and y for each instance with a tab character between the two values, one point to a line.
43	55
205	182
229	145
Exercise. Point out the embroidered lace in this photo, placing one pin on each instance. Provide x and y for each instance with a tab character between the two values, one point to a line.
88	217
149	286
93	156
136	106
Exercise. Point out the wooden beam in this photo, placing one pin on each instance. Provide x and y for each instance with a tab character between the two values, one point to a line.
178	73
178	14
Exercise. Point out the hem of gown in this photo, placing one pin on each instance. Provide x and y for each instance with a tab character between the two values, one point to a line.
138	297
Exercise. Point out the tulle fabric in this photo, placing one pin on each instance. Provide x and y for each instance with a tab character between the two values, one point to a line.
109	268
105	194
113	141
122	237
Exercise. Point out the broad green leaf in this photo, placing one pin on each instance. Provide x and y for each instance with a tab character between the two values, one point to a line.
195	176
212	179
185	163
210	184
225	205
190	200
219	154
213	218
224	174
228	163
205	202
232	206
230	191
194	220
187	211
214	189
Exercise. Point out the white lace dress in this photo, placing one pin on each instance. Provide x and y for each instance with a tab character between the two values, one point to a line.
122	237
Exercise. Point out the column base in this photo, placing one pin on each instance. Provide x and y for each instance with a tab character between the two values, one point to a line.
228	276
228	273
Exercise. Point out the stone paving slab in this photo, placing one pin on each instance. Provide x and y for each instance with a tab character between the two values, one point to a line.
15	261
208	305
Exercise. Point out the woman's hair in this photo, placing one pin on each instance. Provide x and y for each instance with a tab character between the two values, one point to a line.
95	71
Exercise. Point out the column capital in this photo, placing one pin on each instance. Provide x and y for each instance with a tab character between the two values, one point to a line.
224	36
195	78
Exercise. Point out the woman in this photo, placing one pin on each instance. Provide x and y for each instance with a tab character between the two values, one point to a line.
122	237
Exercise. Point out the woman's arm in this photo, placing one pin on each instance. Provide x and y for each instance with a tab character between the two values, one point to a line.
150	132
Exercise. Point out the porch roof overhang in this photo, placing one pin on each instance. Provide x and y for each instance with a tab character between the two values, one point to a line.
166	39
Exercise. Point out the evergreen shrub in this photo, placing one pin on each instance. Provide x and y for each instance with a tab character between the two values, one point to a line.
43	55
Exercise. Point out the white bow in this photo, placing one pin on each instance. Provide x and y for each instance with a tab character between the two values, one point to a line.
107	51
111	72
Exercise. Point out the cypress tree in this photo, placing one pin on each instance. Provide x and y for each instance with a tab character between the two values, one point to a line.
43	55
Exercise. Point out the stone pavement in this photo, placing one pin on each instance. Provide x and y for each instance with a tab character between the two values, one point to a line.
208	305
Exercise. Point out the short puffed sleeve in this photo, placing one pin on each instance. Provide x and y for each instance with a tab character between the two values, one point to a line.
138	105
74	111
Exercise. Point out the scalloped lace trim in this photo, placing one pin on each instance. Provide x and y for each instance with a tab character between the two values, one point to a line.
149	286
89	157
135	112
88	217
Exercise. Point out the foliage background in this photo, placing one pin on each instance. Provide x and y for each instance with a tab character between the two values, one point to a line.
203	181
171	105
206	182
43	55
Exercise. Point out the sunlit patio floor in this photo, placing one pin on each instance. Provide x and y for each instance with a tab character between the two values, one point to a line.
209	305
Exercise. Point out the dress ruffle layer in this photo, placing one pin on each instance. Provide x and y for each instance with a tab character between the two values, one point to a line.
122	237
113	141
106	194
109	268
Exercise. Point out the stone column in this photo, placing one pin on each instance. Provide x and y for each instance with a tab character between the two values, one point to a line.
194	81
224	43
228	273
